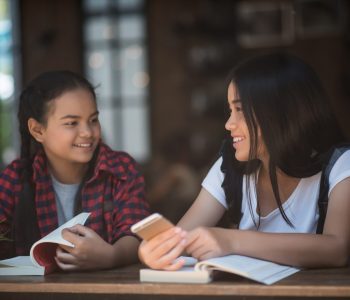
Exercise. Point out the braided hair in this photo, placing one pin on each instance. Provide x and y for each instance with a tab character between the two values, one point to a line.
34	102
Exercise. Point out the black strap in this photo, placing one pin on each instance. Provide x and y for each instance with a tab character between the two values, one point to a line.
324	185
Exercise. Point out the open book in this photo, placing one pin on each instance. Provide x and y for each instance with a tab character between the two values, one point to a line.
41	260
255	269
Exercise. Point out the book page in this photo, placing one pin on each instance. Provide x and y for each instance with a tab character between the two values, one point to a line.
232	263
256	269
17	261
43	251
19	265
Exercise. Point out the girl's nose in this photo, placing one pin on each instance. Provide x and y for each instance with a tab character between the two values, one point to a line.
230	123
85	131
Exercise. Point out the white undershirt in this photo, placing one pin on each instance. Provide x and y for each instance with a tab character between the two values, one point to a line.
301	207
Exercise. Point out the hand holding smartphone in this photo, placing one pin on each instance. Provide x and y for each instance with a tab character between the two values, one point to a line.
151	226
154	225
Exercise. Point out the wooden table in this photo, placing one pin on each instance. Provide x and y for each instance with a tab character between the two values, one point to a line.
124	284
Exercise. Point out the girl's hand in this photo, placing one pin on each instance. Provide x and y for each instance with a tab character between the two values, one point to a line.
90	250
205	242
161	251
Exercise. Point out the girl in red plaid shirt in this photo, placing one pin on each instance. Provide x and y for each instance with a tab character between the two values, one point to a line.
64	169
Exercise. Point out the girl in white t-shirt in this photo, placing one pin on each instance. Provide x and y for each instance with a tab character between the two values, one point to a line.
268	176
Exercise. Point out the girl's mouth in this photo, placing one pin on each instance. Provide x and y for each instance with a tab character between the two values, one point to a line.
237	139
83	145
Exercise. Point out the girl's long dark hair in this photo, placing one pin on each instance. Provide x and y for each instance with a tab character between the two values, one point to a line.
283	96
34	102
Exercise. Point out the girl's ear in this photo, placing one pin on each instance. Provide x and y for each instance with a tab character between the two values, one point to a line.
36	129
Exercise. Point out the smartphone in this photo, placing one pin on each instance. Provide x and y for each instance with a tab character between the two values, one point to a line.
151	226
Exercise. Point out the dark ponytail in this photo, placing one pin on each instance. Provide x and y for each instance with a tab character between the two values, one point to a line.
233	180
25	228
232	184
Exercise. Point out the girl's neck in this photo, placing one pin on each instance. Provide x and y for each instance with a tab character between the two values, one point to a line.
286	183
265	195
68	174
281	176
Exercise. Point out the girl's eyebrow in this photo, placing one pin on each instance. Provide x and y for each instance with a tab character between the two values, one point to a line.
234	101
77	116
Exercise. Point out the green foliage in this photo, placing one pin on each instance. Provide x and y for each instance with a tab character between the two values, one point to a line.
5	126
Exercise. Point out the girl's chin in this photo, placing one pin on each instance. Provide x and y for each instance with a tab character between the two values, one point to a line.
241	157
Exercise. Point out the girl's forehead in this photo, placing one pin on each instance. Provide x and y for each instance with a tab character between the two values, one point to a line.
232	92
72	100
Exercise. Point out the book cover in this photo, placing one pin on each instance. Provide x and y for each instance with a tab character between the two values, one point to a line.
41	259
262	271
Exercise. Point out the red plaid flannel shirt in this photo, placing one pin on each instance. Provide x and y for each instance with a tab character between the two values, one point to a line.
115	195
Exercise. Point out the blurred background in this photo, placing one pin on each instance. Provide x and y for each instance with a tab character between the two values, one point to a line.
160	67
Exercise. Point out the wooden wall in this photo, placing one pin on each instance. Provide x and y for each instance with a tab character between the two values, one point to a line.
181	29
192	47
51	36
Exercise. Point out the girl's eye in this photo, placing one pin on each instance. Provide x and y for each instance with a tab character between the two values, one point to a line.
94	120
72	123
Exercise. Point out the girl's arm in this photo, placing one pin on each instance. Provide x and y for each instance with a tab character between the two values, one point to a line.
331	249
162	250
205	211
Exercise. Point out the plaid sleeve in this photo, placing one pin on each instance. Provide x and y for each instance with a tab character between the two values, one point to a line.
131	204
9	186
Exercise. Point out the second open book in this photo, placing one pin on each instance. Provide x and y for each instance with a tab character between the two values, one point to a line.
262	271
41	260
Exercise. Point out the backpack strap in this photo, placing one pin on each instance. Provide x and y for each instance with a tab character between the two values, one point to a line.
324	185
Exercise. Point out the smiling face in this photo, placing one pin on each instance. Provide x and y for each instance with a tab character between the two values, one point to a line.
238	128
237	125
72	131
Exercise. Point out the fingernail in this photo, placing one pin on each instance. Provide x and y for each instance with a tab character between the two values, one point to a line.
177	229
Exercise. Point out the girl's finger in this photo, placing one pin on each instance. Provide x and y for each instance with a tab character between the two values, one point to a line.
64	257
177	264
201	252
162	238
65	248
169	257
64	266
193	244
169	244
163	246
207	255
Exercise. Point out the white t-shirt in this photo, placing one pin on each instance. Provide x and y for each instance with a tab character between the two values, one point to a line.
301	207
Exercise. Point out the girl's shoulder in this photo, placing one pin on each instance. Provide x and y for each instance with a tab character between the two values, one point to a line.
340	162
116	162
114	156
12	171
